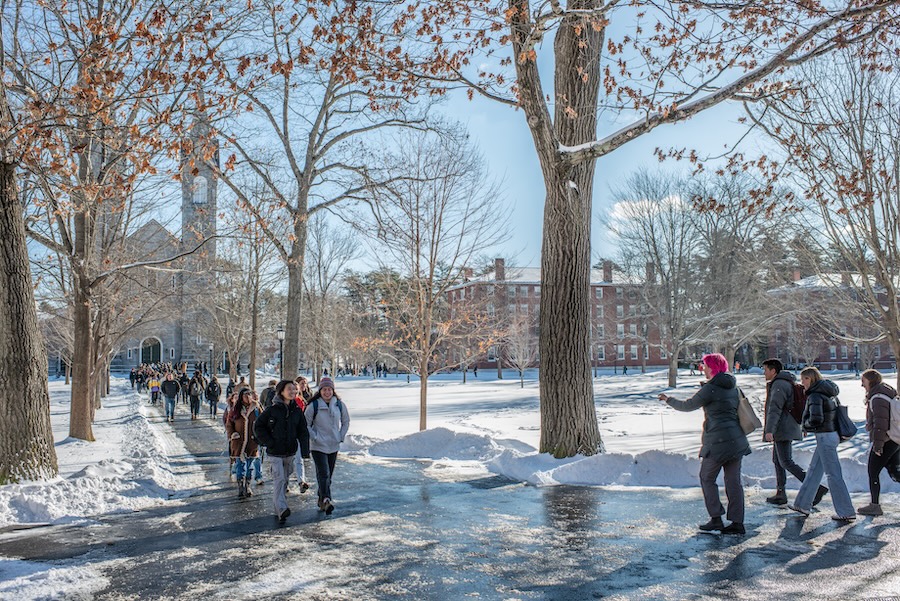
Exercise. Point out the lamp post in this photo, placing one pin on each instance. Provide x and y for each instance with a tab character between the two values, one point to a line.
209	367
279	333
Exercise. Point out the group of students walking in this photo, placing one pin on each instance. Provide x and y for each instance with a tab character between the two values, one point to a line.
290	425
724	442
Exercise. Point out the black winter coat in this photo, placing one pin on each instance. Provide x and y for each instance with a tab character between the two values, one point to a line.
213	391
281	429
821	407
723	438
170	388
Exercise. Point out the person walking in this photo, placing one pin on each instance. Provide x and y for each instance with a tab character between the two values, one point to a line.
282	429
196	391
240	430
781	429
884	451
213	392
328	421
154	385
723	443
170	389
268	394
185	381
820	417
304	394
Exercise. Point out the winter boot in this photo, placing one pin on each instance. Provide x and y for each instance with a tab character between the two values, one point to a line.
247	490
820	493
713	524
734	528
328	506
870	509
779	498
242	489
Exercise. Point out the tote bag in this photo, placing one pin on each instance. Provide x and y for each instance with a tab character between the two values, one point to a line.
746	415
845	427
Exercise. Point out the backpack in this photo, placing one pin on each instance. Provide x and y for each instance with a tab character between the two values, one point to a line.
798	405
894	427
315	405
196	388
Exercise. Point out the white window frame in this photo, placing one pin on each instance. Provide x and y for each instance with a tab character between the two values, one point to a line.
200	190
620	352
634	352
620	311
601	353
832	352
172	353
620	330
632	329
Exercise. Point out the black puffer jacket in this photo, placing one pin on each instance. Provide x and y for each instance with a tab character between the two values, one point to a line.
821	407
282	429
878	414
723	438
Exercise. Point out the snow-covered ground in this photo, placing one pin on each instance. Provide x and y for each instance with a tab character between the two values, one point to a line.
484	425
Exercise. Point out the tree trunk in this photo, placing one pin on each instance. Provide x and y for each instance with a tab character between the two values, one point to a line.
673	370
568	415
254	326
423	392
68	367
81	409
291	357
26	437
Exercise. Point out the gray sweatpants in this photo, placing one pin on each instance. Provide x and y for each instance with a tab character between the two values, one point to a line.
282	468
734	489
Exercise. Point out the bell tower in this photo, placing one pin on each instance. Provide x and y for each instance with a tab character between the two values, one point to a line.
199	196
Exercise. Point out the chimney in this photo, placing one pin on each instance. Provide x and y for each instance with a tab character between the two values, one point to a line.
499	270
651	272
607	271
796	277
467	274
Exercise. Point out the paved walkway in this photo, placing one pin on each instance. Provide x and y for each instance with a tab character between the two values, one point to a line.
399	533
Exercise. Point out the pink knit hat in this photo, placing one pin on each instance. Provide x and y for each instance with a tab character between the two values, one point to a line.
326	382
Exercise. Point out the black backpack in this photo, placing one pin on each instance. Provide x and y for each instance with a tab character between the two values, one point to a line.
196	388
315	405
798	404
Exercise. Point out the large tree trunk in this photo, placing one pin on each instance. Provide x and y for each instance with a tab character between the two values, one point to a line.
254	325
81	409
423	392
26	437
291	357
568	415
673	369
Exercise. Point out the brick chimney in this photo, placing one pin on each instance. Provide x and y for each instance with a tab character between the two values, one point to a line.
796	276
499	270
651	272
607	271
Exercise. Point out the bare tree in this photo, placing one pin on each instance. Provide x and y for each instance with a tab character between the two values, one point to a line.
841	136
438	214
521	344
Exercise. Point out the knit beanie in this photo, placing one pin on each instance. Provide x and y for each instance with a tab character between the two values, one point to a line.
326	382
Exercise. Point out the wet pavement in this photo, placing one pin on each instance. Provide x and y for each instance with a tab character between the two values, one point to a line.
402	531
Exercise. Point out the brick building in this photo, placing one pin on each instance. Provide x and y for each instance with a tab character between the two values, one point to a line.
620	331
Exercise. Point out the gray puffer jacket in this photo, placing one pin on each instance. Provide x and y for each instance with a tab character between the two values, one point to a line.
723	438
779	398
821	407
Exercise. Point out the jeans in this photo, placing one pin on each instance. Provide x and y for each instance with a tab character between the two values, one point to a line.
243	467
282	468
257	466
324	470
783	458
213	408
195	405
170	407
734	489
888	457
300	467
825	461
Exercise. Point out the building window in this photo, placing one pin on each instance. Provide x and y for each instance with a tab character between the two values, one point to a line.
511	291
878	351
620	330
201	190
537	291
632	329
174	283
599	311
619	293
601	331
646	351
844	352
620	311
662	353
523	309
523	290
634	352
832	352
462	293
171	353
598	292
620	352
632	310
601	353
129	353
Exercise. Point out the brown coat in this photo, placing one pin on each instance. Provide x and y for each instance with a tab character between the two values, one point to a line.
878	415
243	422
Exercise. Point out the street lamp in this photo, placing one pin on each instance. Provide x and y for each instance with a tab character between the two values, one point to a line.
279	333
209	366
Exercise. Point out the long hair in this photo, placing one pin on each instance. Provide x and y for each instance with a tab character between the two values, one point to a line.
813	374
239	403
873	377
279	388
716	362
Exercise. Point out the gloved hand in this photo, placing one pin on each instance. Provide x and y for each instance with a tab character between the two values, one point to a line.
235	436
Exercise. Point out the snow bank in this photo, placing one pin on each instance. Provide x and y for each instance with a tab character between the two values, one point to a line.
127	468
35	580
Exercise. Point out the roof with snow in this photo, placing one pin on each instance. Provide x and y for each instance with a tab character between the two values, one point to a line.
532	276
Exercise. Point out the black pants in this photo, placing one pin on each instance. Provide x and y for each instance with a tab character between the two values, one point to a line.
324	470
195	405
783	458
888	459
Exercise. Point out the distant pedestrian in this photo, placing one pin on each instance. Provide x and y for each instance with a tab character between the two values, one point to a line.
268	394
170	389
213	392
724	443
132	377
154	386
820	417
475	370
196	392
282	429
885	451
625	370
328	421
184	381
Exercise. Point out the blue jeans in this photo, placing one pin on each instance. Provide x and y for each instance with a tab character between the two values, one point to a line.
257	467
244	467
170	407
825	461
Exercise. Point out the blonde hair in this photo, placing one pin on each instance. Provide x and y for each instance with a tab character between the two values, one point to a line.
813	374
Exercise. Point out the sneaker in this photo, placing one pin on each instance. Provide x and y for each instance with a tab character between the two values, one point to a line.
820	493
328	506
870	509
712	524
260	481
843	518
734	528
321	505
284	515
304	486
798	510
779	498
